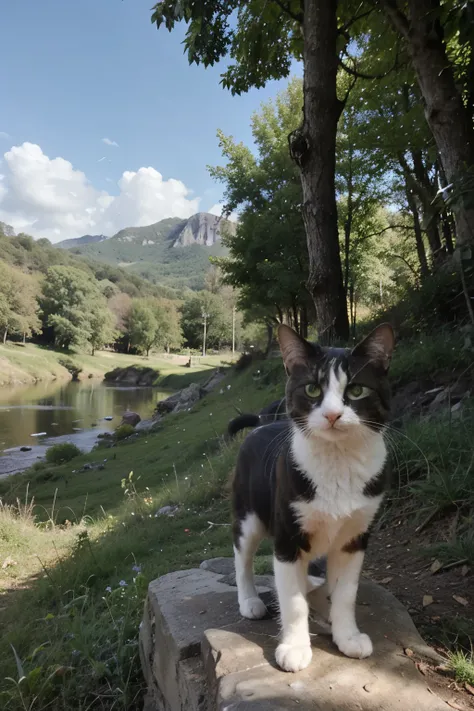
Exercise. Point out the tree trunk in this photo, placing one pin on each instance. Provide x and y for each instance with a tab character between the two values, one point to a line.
24	338
296	323
313	147
347	250
348	226
447	232
448	118
420	247
352	309
5	334
427	192
269	339
304	322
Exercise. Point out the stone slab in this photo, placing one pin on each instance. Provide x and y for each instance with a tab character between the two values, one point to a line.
200	655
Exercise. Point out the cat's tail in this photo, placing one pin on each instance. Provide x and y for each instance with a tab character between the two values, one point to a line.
241	422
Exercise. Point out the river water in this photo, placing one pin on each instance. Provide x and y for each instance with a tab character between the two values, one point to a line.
65	412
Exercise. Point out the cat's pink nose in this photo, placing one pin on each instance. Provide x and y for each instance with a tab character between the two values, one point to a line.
332	417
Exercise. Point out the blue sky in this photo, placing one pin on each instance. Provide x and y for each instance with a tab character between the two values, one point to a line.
74	73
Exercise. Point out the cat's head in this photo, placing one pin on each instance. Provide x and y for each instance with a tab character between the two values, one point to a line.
334	393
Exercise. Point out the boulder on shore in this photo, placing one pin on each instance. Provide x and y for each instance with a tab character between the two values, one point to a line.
130	418
138	375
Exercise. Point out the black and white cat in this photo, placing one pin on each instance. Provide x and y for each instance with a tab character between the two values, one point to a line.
314	482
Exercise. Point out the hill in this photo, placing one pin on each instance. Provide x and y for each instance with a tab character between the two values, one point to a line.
172	252
36	256
80	241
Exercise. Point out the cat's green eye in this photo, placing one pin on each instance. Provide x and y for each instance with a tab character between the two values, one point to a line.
357	392
312	390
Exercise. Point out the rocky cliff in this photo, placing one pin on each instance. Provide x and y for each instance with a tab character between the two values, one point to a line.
204	229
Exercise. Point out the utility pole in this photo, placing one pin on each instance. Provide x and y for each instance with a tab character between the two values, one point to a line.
233	330
205	316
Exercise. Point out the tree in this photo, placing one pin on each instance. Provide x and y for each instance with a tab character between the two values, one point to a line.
120	305
141	326
102	326
262	42
422	24
74	308
268	259
218	320
168	327
18	302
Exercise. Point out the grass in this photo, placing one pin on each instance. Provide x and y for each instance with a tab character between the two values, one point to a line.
81	555
434	460
461	548
426	354
462	665
28	363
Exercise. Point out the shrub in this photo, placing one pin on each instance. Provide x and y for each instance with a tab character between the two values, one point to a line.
123	432
71	367
60	453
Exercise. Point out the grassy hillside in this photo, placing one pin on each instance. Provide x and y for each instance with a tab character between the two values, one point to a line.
36	256
75	578
149	253
28	363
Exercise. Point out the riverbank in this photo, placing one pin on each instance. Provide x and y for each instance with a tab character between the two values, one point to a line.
73	586
28	363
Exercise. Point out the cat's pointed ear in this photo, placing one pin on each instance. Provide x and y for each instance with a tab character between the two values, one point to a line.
294	349
377	346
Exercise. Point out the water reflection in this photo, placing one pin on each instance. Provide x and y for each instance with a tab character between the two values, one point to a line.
67	409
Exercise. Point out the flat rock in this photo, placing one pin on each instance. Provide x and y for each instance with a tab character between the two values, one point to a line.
199	654
222	566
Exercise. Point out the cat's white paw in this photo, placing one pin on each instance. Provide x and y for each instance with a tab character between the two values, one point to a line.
293	657
357	646
253	608
314	583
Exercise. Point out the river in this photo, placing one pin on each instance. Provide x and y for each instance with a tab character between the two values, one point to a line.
64	411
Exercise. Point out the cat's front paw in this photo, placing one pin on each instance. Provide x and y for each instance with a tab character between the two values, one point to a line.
357	646
293	657
253	608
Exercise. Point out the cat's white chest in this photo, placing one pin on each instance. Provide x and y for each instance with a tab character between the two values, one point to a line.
339	473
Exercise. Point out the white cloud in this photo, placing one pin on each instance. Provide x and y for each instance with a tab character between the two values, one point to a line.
109	142
217	210
4	134
50	198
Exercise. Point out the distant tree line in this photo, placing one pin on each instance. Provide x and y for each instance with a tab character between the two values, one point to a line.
77	304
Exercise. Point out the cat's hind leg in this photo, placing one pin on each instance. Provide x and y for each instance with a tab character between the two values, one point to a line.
248	534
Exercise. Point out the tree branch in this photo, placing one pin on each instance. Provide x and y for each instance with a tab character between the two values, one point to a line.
380	232
362	75
399	20
297	17
399	256
343	30
351	86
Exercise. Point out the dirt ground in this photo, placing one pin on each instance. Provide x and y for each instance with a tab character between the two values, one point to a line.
437	601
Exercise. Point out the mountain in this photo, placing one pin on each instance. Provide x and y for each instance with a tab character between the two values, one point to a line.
172	252
80	241
204	229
